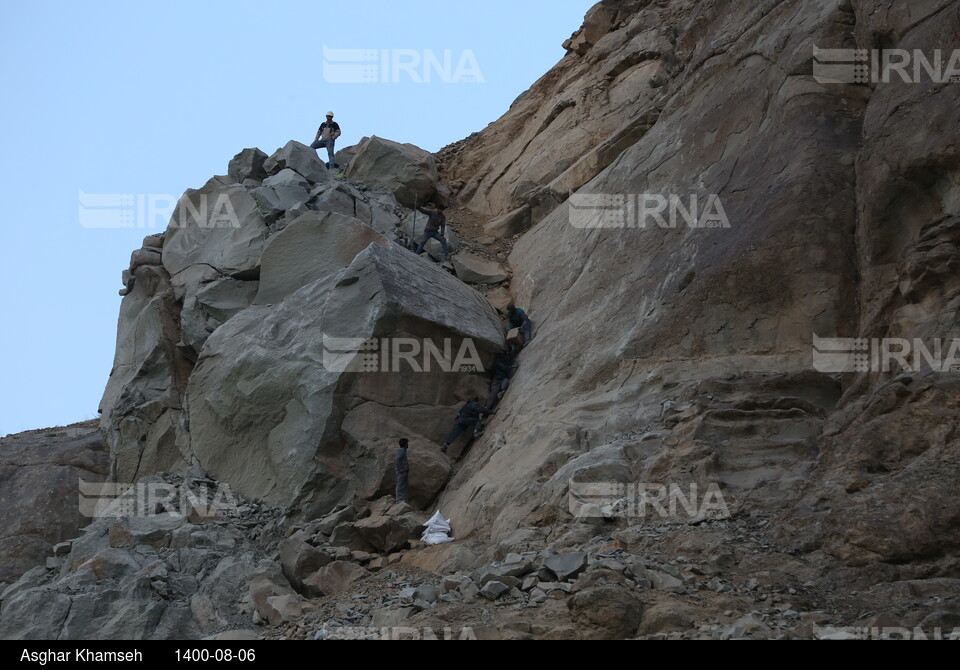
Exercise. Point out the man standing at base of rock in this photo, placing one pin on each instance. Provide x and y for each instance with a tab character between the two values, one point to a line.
435	228
327	136
403	471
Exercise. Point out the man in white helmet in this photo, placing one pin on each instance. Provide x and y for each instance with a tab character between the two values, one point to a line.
327	135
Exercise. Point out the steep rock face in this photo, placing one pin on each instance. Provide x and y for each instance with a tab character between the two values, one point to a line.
39	493
141	405
575	120
841	202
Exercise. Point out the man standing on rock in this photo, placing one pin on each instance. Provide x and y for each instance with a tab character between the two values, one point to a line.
403	471
327	136
435	229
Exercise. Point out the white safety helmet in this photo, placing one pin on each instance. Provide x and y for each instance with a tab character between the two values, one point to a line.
329	113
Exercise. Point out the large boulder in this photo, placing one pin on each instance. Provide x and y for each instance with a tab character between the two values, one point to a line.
209	299
219	225
310	248
248	164
409	172
274	383
284	190
476	270
39	475
301	159
376	208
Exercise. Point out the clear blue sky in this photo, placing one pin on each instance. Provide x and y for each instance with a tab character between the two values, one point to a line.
154	98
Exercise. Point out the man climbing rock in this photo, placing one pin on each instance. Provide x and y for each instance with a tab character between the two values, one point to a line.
469	416
403	471
435	228
517	318
500	371
327	136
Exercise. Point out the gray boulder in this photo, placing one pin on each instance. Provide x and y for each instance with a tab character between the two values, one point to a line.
476	270
300	158
409	172
285	190
568	565
313	247
248	164
218	225
279	438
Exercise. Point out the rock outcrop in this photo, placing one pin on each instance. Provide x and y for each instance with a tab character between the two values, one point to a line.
409	172
40	500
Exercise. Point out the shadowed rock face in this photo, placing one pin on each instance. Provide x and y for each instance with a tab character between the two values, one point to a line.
39	475
842	206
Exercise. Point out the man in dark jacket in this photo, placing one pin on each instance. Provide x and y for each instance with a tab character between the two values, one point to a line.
435	228
327	136
517	318
402	466
468	417
503	366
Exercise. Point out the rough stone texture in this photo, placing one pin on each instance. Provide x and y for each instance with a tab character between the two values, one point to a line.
248	164
300	560
475	270
143	398
567	565
509	224
375	207
335	578
39	472
409	172
285	190
386	534
694	365
614	611
301	159
279	438
218	225
151	577
311	248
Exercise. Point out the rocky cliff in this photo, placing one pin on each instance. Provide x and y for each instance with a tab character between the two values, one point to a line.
670	354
